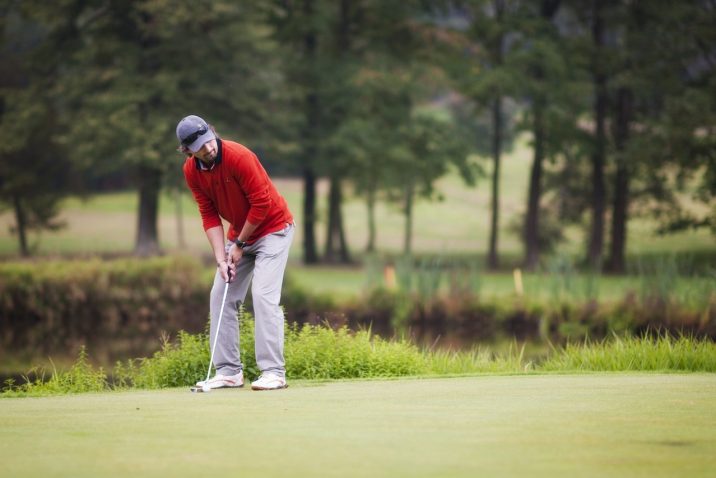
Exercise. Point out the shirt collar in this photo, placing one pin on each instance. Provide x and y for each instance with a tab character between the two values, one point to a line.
201	167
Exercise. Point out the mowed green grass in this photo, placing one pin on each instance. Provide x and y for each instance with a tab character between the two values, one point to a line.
539	425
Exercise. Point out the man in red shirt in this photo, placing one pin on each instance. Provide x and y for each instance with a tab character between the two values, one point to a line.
228	182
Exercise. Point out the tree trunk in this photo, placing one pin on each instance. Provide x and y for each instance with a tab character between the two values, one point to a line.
408	239
310	254
596	239
21	224
330	255
620	208
336	247
535	191
370	202
492	258
548	9
149	186
181	241
563	193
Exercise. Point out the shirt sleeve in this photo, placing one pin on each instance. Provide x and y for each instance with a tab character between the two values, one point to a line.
256	186
209	215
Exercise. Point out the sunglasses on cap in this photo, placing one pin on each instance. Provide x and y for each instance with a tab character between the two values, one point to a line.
192	137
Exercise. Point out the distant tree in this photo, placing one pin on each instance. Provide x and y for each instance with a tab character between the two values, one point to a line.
494	29
146	64
35	168
654	91
598	157
669	67
482	71
370	139
623	116
652	104
374	41
335	44
429	146
547	73
339	94
301	29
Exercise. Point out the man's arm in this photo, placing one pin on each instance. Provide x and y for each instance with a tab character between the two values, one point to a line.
216	239
255	184
209	215
212	224
247	231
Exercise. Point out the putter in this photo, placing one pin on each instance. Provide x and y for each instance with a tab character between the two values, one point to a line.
206	388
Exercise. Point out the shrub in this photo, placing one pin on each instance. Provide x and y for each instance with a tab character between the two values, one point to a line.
61	304
650	353
185	361
302	306
318	352
118	308
174	365
312	352
321	352
80	378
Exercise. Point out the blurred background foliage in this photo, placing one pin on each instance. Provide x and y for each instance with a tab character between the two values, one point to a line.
426	148
379	100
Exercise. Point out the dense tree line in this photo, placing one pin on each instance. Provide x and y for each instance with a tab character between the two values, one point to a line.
618	97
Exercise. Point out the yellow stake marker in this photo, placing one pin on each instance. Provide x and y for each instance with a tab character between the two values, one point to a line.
517	275
389	277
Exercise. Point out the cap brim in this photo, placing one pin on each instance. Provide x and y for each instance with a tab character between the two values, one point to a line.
201	140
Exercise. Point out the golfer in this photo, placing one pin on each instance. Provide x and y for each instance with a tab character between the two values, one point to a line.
228	182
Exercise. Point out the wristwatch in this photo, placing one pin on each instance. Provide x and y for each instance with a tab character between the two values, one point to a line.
240	244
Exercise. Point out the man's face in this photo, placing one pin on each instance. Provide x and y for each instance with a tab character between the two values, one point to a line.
207	153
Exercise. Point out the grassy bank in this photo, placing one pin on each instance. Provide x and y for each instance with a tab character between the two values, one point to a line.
540	425
321	352
669	273
118	308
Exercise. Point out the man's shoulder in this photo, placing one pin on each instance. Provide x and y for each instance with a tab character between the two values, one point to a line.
189	165
232	148
236	155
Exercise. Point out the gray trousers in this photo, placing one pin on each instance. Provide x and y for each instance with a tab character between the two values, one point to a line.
265	261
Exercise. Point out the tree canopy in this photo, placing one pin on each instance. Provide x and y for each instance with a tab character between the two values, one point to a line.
618	98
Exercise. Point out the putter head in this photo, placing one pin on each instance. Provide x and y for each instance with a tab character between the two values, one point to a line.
196	390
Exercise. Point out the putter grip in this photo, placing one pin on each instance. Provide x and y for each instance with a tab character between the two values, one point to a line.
228	270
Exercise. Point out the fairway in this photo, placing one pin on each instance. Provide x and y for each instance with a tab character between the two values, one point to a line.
532	425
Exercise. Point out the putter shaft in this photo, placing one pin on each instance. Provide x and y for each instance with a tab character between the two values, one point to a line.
216	334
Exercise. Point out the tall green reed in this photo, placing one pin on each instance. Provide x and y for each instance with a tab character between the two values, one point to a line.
82	377
651	353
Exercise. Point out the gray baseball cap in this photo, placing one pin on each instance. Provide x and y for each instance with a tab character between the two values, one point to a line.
193	132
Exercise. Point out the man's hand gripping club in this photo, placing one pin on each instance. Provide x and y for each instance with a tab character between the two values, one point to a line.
228	270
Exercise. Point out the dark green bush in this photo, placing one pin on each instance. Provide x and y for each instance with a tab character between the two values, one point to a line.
653	352
58	305
320	352
312	352
119	308
81	377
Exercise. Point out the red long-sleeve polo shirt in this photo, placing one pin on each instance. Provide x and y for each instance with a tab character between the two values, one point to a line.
238	189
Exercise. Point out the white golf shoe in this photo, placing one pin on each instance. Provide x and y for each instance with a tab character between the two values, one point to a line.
224	381
269	381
